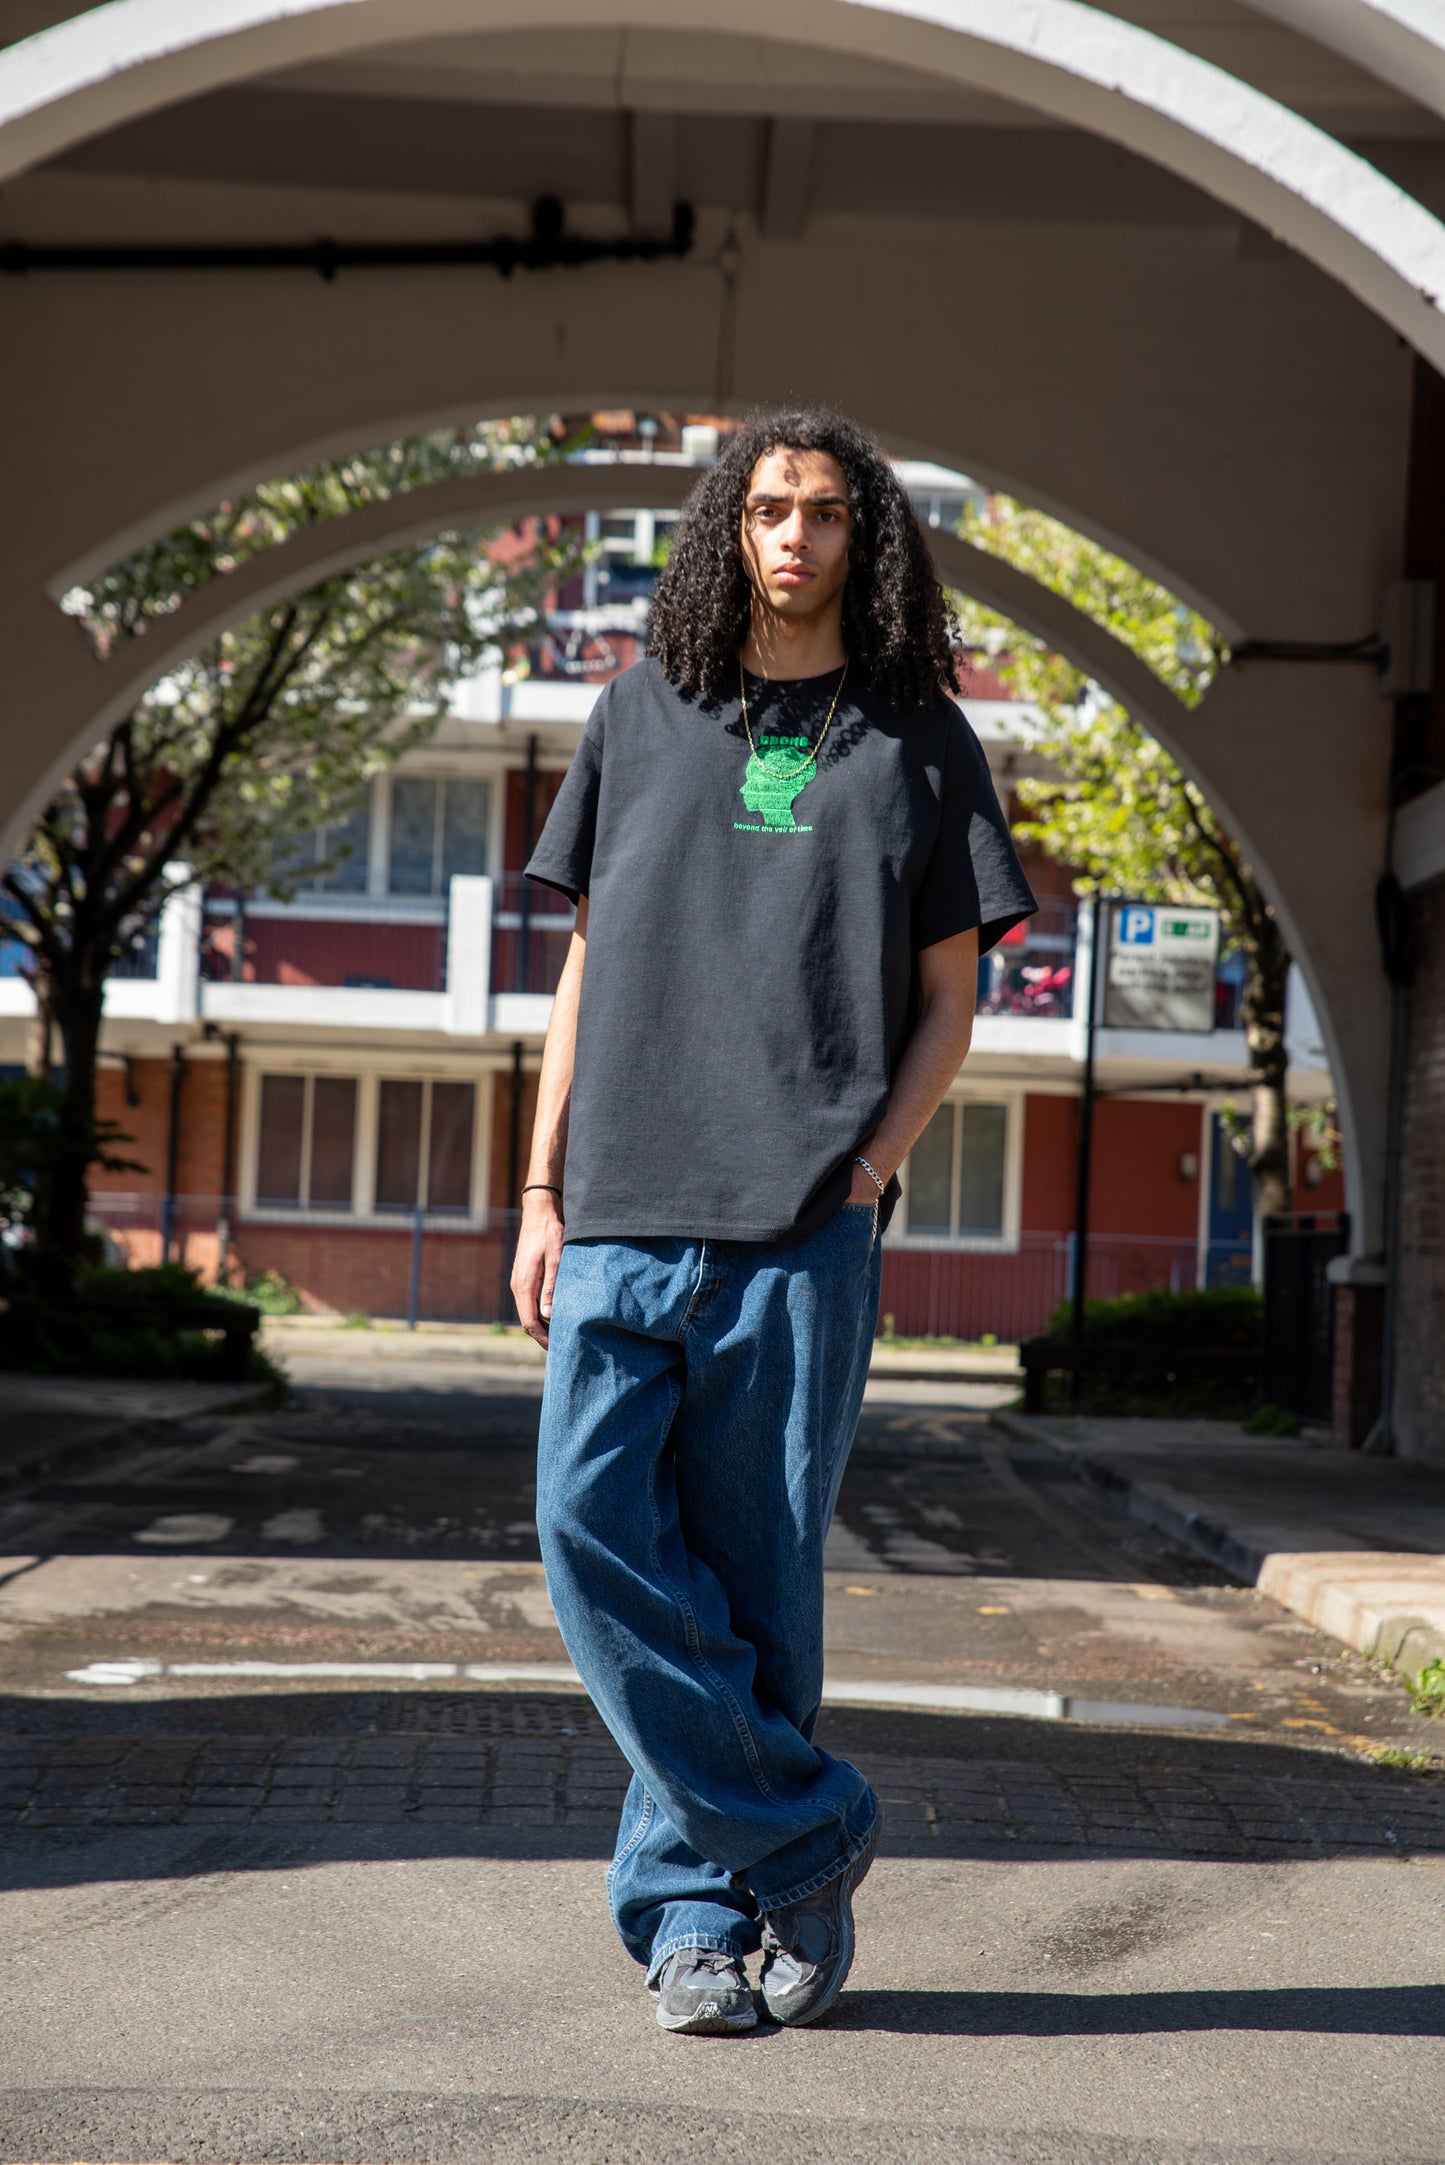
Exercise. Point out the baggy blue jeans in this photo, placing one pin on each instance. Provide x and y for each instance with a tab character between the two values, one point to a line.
700	1402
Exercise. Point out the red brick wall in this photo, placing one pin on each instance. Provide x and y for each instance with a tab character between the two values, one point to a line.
1355	1380
497	1196
201	1155
367	1270
1420	1327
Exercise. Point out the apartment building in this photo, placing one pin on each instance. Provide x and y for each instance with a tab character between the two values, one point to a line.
339	1087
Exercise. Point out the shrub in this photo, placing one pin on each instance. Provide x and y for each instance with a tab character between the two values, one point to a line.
158	1282
101	1334
272	1294
1270	1420
1227	1316
1226	1319
1427	1693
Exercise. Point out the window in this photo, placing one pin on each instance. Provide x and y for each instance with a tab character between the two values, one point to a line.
425	1129
438	828
635	545
955	1174
307	1142
342	847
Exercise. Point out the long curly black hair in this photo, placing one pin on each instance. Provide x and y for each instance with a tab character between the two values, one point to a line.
897	625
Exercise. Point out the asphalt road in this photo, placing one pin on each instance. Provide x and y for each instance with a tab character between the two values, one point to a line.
342	1918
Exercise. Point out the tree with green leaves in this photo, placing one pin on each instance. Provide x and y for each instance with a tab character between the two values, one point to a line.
271	732
1117	808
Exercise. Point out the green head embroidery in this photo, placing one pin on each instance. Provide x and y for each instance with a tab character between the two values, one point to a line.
773	795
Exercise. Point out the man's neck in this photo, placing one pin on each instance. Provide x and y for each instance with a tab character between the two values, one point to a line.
778	646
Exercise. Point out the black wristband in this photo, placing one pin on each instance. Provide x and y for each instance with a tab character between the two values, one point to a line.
545	1184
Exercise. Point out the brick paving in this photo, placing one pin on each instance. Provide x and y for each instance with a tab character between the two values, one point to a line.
567	1774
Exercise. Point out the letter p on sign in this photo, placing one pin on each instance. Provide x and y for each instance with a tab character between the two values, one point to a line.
1137	929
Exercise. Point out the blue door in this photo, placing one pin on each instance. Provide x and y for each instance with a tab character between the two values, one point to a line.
1231	1211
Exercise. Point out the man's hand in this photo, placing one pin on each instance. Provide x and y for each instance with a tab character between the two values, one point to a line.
863	1189
534	1267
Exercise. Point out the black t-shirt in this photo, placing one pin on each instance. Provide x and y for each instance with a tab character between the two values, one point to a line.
750	981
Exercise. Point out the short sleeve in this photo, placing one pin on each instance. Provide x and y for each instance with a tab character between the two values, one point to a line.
563	856
973	876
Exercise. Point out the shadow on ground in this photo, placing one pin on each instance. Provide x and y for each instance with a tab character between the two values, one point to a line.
179	1787
1321	2010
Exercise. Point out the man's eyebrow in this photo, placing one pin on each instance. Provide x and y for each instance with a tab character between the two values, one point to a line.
819	496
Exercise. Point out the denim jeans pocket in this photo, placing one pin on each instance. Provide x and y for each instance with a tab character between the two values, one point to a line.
872	1212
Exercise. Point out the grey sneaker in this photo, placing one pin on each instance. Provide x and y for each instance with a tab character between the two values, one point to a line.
703	1994
808	1947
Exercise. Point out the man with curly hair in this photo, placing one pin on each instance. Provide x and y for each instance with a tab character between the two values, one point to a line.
786	855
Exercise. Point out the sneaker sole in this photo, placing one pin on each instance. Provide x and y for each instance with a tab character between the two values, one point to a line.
707	2025
853	1878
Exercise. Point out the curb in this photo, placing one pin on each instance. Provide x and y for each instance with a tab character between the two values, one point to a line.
1343	1592
303	1338
47	1460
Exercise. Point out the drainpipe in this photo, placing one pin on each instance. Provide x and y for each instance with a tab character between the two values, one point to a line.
514	1176
529	838
173	1149
238	939
1392	911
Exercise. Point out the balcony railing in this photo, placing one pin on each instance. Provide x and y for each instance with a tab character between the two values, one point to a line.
387	952
450	963
138	964
1033	972
531	931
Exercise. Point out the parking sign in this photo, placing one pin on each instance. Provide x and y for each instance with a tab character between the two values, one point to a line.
1161	966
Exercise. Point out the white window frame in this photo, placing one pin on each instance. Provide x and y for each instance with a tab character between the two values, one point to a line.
1006	1240
427	770
368	1076
337	1212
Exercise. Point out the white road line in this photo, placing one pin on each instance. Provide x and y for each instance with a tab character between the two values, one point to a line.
837	1691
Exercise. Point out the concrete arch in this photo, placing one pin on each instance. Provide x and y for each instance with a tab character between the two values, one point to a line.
1077	63
1218	743
1400	41
100	695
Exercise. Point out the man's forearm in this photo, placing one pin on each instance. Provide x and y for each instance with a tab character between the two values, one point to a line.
933	1056
948	985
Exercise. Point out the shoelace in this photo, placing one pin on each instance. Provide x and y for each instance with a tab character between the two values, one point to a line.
708	1958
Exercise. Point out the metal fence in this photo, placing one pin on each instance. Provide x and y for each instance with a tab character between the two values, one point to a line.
431	1268
1297	1367
531	933
1033	973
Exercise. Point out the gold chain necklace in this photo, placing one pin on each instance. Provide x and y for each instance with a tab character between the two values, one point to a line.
777	772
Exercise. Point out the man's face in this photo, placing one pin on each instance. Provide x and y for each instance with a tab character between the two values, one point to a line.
796	531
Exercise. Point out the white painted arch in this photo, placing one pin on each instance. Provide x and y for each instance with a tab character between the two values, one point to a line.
1400	41
1079	64
100	696
1216	743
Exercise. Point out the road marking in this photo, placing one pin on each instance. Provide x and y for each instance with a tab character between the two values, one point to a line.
183	1529
302	1526
838	1691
